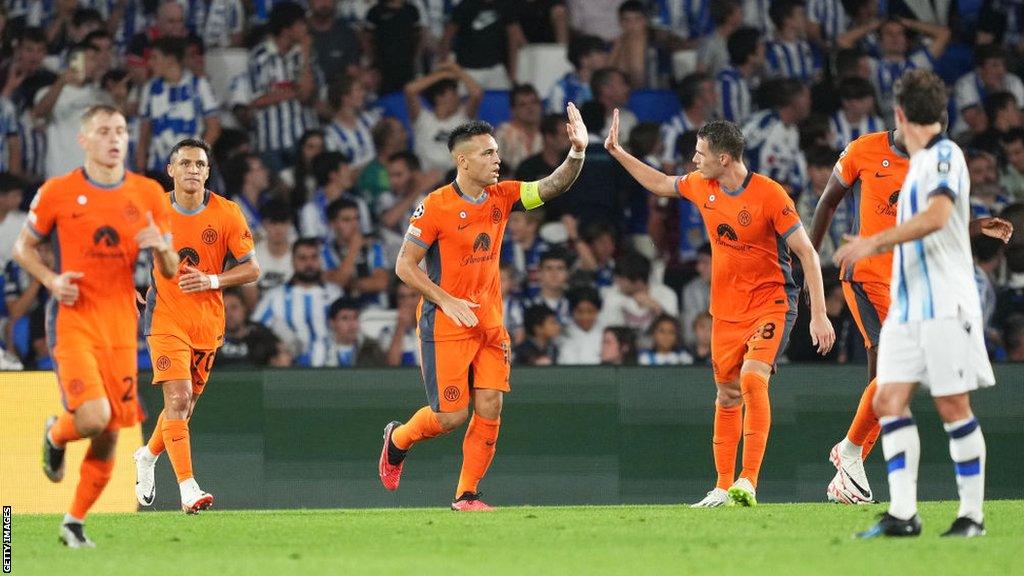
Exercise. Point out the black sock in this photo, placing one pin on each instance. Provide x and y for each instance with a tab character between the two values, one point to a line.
395	454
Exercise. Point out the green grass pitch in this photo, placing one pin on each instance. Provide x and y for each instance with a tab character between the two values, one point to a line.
774	539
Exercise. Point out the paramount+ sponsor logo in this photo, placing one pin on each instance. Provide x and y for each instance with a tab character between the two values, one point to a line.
482	243
189	256
888	208
725	235
106	243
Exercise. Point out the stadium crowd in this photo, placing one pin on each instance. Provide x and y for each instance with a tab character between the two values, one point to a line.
334	130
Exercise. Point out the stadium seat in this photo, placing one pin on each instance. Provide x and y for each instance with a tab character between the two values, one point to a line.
495	107
20	334
654	105
684	62
542	65
393	105
222	65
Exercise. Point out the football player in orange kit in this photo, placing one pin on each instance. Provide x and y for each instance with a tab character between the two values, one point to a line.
184	319
97	218
465	349
753	226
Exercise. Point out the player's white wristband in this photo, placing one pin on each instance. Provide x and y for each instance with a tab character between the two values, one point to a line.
577	155
214	281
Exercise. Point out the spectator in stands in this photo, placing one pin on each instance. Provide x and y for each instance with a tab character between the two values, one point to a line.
354	262
106	51
850	63
700	350
633	301
1003	115
821	162
299	178
1012	176
713	53
61	106
247	182
746	59
988	256
611	90
989	76
170	23
392	38
389	138
645	142
336	44
553	282
789	54
84	21
697	100
587	54
666	344
24	296
225	24
772	137
895	56
511	289
520	137
697	293
987	197
23	76
540	347
618	346
408	187
243	338
273	249
432	126
402	343
344	346
827	20
598	193
636	51
541	21
581	338
525	248
597	254
861	30
1013	338
10	139
174	105
554	146
479	33
334	180
297	311
351	127
12	194
283	83
856	116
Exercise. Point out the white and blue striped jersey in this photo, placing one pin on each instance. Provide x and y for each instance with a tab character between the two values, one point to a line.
9	126
370	258
933	277
356	142
755	13
845	131
298	312
885	73
279	126
791	60
671	131
970	91
569	88
224	19
675	358
175	111
734	102
773	149
830	16
33	145
687	18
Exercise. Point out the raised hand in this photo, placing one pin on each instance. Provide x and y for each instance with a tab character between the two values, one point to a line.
576	129
64	289
995	227
611	143
150	236
460	311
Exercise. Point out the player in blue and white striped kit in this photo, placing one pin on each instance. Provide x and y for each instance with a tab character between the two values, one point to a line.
933	332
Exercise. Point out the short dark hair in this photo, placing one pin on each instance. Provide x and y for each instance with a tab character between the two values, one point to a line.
632	6
97	34
113	76
644	138
582	46
591	232
382	131
722	10
996	102
922	96
519	90
555	253
343	303
410	158
847	60
552	124
440	87
235	170
277	211
535	316
582	294
854	88
306	242
626	338
85	15
467	131
602	77
336	206
723	136
11	183
326	162
821	156
781	10
172	47
742	44
781	92
689	88
191	143
283	16
633	266
1013	135
686	144
33	34
339	88
593	114
666	318
986	52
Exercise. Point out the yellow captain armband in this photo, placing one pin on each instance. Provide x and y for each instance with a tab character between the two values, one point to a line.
529	193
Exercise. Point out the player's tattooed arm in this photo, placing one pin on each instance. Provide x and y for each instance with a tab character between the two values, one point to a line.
559	181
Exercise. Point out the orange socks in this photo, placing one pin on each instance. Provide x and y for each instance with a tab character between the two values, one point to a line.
728	428
63	430
864	429
176	438
477	452
422	425
95	474
756	423
156	440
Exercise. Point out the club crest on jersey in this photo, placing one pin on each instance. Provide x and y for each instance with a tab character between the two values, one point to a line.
495	214
131	212
189	256
209	236
744	218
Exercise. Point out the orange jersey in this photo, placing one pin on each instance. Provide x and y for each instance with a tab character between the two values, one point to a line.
874	168
750	267
207	239
92	228
462	238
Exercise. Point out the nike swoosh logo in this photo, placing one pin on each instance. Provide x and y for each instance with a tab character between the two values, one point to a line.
463	226
880	175
708	207
758	348
176	439
489	443
77	214
864	493
149	499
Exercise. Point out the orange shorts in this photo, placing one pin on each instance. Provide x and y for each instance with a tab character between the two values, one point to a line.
173	359
763	339
90	373
451	368
869	304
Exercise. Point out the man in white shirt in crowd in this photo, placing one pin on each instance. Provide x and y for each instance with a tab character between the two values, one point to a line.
581	339
431	126
633	301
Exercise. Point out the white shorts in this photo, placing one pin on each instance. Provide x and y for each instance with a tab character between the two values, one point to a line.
946	354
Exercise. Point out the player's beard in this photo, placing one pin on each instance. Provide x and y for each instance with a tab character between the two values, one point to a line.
307	276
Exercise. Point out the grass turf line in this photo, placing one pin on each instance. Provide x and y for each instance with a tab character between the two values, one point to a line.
788	538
